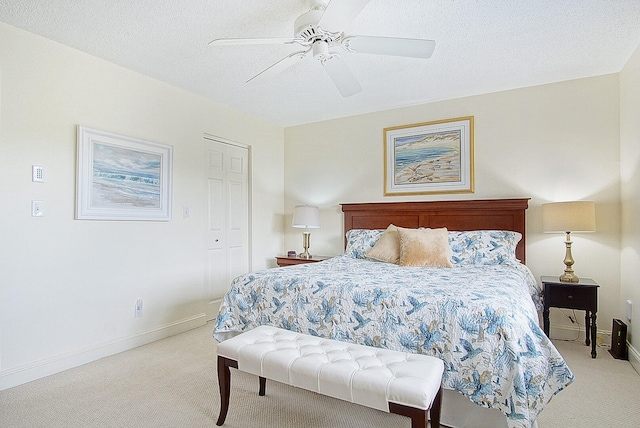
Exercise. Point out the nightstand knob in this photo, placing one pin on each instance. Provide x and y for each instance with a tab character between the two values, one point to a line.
569	296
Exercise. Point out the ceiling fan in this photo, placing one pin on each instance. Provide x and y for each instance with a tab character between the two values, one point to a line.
320	30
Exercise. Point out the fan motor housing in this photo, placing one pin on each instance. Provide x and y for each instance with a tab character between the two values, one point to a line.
305	25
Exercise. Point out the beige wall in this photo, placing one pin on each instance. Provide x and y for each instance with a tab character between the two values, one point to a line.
68	287
630	173
549	143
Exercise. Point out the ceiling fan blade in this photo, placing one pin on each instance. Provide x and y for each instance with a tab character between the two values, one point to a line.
342	77
268	41
339	13
279	67
415	48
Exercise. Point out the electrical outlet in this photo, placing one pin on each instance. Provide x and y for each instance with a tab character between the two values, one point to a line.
138	308
186	212
37	209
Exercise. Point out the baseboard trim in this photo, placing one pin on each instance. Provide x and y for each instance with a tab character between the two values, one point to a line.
57	363
634	357
575	332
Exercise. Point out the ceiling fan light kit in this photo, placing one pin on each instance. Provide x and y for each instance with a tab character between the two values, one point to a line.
320	29
321	50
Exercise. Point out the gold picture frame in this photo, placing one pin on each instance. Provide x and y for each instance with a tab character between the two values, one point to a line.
429	158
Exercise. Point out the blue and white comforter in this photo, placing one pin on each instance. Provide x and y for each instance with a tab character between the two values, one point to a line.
481	320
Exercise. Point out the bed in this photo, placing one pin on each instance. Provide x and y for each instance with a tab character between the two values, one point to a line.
476	308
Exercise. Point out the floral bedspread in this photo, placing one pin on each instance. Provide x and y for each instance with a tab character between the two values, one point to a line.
481	320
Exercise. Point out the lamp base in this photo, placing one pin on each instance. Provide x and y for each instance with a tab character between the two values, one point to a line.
569	277
305	244
305	255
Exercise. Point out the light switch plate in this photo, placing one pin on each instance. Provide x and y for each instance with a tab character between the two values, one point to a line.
37	173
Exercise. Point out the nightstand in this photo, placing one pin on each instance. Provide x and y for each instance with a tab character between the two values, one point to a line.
581	295
288	261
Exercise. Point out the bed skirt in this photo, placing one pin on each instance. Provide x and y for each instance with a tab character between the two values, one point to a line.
460	412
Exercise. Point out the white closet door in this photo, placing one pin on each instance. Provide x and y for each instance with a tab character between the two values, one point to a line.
227	236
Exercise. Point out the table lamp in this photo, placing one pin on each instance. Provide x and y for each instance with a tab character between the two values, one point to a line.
567	217
306	216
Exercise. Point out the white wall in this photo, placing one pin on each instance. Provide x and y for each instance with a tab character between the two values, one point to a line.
630	173
550	143
68	287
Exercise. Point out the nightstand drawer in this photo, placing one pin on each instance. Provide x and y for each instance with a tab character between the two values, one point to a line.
572	297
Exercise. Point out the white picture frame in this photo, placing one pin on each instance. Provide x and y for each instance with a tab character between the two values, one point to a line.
122	178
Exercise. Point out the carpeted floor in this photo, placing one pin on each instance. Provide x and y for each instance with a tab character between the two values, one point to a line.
173	383
606	392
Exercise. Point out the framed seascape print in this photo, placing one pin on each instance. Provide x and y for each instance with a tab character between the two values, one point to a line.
430	157
122	178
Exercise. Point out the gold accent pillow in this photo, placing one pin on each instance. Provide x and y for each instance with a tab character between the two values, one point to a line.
424	247
387	249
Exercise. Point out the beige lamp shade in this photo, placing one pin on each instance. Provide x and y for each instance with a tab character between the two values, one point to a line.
577	216
306	216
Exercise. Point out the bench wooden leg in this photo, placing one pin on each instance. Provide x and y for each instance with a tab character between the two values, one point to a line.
436	408
263	385
224	380
418	416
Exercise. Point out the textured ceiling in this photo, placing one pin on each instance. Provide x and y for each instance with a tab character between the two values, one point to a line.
482	46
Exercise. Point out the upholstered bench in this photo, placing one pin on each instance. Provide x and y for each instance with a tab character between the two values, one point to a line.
392	381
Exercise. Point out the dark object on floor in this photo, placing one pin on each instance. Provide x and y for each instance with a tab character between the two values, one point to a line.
618	340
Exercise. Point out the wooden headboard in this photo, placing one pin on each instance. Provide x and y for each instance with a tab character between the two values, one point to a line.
489	214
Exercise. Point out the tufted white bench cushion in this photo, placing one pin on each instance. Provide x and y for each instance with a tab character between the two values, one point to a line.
392	381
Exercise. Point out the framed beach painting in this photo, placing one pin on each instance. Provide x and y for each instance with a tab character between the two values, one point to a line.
429	157
122	178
